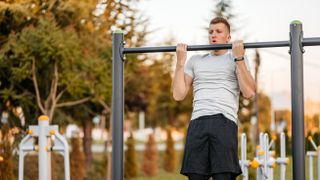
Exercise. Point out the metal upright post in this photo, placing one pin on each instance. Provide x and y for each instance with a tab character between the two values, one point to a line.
43	153
244	161
259	155
283	156
296	51
310	155
117	105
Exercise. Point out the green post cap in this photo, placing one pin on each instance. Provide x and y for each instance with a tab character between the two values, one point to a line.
118	31
296	22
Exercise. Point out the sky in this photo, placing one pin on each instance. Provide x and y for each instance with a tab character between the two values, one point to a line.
256	21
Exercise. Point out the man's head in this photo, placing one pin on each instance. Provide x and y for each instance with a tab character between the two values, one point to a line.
219	31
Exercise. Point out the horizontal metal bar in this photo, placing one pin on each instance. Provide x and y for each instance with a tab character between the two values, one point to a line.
315	41
270	44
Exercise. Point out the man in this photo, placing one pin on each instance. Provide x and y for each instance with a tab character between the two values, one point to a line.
217	78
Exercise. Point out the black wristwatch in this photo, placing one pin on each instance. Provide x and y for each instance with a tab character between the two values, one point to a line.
239	59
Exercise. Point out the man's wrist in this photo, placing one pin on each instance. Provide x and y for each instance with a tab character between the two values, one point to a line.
180	66
239	59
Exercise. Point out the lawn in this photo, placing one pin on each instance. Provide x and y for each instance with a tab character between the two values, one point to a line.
163	175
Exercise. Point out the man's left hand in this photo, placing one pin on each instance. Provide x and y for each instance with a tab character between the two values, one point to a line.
238	49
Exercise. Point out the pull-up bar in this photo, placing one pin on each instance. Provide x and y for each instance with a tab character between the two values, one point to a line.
272	44
296	43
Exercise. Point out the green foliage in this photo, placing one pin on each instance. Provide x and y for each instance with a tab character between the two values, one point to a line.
13	17
6	162
161	105
316	138
150	157
130	163
148	88
45	44
264	113
308	145
288	143
65	34
170	153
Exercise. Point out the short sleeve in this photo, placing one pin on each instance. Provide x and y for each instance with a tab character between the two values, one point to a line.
189	67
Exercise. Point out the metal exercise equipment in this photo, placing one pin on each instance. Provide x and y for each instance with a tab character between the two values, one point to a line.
296	43
311	155
43	132
264	162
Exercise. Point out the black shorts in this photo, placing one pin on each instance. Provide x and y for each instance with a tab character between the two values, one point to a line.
211	146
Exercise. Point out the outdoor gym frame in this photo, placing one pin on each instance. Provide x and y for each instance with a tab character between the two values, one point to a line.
295	43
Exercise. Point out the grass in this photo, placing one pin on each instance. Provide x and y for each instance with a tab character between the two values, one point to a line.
163	175
31	166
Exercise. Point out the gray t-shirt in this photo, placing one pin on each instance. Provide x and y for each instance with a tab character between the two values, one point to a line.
215	85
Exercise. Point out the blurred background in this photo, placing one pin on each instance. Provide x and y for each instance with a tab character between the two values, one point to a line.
55	59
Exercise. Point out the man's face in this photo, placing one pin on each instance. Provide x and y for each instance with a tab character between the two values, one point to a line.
218	34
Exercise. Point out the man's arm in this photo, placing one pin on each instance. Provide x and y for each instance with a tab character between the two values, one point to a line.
246	82
181	82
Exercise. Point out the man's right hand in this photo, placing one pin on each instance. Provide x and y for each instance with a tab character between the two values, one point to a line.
181	51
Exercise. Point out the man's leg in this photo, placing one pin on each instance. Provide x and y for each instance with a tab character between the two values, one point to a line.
193	176
224	176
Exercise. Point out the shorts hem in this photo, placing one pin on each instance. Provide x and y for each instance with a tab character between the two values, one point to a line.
236	173
194	172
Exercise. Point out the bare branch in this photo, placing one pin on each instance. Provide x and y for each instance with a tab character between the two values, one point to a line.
53	88
35	83
51	112
72	103
55	80
47	101
60	94
106	107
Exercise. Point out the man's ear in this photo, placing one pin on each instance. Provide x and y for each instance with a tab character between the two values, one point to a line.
229	38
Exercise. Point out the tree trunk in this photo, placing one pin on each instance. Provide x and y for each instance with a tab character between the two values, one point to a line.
256	105
87	141
109	159
170	119
109	144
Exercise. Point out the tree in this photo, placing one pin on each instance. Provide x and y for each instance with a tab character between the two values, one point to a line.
89	24
6	162
13	17
264	113
256	106
170	154
53	57
316	138
130	164
70	57
308	145
284	115
288	143
224	9
150	157
161	107
77	159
